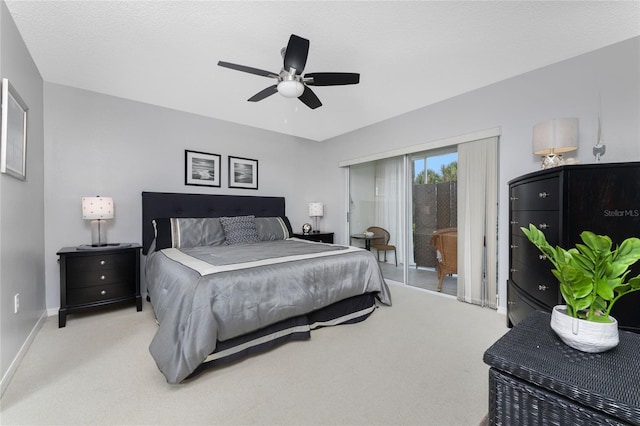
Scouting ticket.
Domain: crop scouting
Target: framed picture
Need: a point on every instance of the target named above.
(243, 173)
(13, 150)
(201, 169)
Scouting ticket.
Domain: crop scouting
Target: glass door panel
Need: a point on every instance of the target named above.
(375, 190)
(433, 200)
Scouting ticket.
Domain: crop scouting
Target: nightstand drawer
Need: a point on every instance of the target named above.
(80, 279)
(81, 296)
(76, 265)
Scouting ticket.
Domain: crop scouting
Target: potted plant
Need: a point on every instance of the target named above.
(592, 278)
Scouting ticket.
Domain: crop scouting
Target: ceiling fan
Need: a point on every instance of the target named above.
(291, 83)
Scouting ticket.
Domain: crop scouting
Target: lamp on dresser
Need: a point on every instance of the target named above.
(553, 138)
(97, 209)
(316, 210)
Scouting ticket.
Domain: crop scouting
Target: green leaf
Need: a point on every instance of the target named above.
(604, 290)
(597, 243)
(583, 303)
(628, 253)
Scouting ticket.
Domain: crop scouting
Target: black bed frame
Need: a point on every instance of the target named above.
(156, 205)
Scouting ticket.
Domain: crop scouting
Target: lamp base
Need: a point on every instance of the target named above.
(98, 233)
(551, 160)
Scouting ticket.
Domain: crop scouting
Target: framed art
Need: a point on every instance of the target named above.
(201, 169)
(13, 144)
(243, 173)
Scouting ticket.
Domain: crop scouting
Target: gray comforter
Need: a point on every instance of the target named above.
(204, 294)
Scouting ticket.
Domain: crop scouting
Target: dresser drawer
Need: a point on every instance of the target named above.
(542, 194)
(79, 264)
(79, 279)
(81, 296)
(538, 282)
(548, 221)
(520, 305)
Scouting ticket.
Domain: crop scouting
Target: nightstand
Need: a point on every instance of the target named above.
(98, 277)
(321, 237)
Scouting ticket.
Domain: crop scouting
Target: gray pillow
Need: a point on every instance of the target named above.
(271, 228)
(188, 232)
(239, 229)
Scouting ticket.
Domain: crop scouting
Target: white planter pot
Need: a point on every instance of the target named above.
(583, 335)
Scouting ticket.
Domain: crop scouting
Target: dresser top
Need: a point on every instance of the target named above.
(540, 174)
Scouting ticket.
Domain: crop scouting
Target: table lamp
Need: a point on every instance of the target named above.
(97, 209)
(316, 210)
(554, 137)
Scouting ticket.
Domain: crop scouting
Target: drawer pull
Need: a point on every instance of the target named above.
(543, 194)
(514, 222)
(102, 262)
(513, 270)
(542, 287)
(102, 277)
(103, 292)
(543, 226)
(511, 303)
(513, 198)
(542, 256)
(513, 246)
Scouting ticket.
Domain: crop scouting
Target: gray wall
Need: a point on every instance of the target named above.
(567, 89)
(21, 210)
(109, 146)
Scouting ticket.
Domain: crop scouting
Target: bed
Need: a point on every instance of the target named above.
(226, 280)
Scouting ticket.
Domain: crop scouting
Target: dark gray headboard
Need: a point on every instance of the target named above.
(157, 205)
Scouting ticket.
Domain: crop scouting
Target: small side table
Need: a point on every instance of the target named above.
(367, 240)
(536, 379)
(98, 277)
(320, 237)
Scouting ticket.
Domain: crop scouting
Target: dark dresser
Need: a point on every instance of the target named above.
(563, 202)
(98, 277)
(535, 379)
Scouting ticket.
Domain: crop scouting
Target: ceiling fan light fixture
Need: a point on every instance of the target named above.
(290, 88)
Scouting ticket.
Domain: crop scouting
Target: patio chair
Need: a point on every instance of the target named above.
(382, 244)
(445, 242)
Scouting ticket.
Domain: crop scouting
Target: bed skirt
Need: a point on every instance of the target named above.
(348, 311)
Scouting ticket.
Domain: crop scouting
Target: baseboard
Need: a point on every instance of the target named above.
(6, 379)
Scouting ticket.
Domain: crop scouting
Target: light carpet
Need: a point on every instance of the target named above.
(418, 362)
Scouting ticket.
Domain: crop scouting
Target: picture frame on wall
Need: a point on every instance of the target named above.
(201, 169)
(13, 139)
(243, 173)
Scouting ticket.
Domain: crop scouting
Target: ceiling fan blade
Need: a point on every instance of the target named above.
(310, 99)
(331, 78)
(264, 93)
(250, 70)
(296, 53)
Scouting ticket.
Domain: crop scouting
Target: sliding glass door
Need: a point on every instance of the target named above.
(376, 201)
(432, 201)
(409, 206)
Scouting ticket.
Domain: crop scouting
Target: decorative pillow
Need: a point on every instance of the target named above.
(273, 228)
(239, 229)
(188, 232)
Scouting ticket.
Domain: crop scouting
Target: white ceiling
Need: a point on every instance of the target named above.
(409, 53)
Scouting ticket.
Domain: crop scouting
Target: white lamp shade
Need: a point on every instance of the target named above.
(290, 88)
(555, 136)
(97, 208)
(316, 209)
